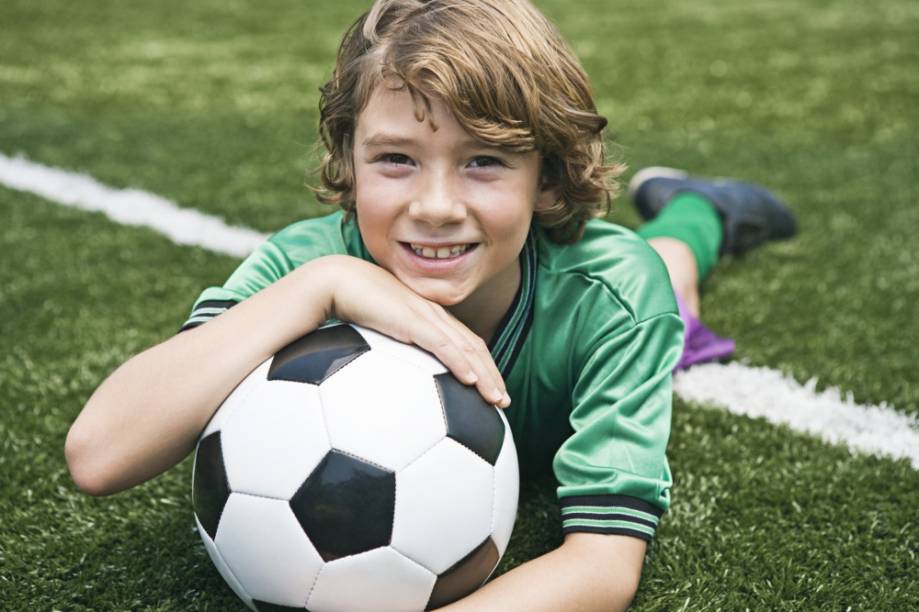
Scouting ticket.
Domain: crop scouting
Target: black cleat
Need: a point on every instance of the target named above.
(749, 214)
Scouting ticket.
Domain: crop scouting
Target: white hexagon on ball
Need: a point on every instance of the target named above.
(440, 520)
(360, 583)
(236, 400)
(288, 422)
(266, 550)
(389, 418)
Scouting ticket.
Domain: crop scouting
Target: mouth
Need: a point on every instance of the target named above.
(440, 252)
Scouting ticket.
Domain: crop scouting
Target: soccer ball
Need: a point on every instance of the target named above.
(353, 472)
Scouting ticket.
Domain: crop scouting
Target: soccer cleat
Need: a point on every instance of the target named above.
(750, 215)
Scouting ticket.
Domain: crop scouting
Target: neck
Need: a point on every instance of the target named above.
(483, 311)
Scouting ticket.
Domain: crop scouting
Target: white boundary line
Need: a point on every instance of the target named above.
(184, 226)
(760, 392)
(740, 389)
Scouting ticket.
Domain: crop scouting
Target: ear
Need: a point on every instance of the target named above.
(547, 196)
(549, 189)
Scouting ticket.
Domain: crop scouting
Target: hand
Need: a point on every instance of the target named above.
(368, 295)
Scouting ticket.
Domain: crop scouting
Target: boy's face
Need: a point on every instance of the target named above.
(443, 212)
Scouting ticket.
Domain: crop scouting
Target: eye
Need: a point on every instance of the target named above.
(485, 161)
(395, 158)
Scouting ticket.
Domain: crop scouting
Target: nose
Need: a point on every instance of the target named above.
(439, 202)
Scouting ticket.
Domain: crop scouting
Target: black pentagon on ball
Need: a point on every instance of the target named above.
(471, 421)
(346, 506)
(317, 355)
(465, 576)
(210, 488)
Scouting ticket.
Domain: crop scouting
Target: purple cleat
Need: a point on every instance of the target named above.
(700, 344)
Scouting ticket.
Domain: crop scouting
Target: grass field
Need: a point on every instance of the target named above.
(213, 105)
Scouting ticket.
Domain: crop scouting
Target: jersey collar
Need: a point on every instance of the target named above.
(512, 331)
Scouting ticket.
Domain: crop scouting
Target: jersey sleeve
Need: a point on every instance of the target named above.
(613, 471)
(265, 265)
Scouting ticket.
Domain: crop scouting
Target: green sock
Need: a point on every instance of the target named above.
(692, 219)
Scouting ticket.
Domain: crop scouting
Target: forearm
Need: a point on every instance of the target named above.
(146, 416)
(572, 578)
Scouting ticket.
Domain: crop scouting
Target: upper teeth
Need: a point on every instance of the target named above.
(440, 252)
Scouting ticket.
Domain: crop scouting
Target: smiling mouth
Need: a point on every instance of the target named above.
(443, 252)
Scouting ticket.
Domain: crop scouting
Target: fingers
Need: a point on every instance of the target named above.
(473, 351)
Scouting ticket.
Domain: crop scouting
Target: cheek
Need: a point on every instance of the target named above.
(374, 196)
(511, 223)
(371, 211)
(511, 211)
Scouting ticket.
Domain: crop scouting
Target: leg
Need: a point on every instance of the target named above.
(683, 269)
(690, 223)
(687, 236)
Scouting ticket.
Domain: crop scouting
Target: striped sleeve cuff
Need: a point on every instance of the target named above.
(206, 310)
(613, 514)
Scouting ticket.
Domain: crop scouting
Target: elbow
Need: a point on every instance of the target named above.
(613, 561)
(628, 588)
(625, 587)
(84, 472)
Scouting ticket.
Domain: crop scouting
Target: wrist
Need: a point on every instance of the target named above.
(331, 284)
(314, 285)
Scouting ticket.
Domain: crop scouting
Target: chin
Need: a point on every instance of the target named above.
(445, 296)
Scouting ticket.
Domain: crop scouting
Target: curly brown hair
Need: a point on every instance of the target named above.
(508, 78)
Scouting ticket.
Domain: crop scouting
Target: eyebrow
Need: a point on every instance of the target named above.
(382, 139)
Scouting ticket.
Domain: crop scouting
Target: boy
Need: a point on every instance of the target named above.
(467, 154)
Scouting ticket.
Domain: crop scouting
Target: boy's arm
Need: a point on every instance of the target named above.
(587, 572)
(147, 415)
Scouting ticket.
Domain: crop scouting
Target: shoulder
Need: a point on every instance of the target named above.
(277, 256)
(309, 238)
(610, 261)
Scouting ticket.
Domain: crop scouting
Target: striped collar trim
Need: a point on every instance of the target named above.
(512, 331)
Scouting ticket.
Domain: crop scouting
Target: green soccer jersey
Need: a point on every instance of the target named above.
(586, 350)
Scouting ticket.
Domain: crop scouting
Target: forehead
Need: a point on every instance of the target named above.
(390, 115)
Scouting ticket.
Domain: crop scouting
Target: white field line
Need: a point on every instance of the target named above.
(740, 389)
(780, 399)
(129, 207)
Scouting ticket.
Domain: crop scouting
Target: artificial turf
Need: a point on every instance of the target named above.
(213, 105)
